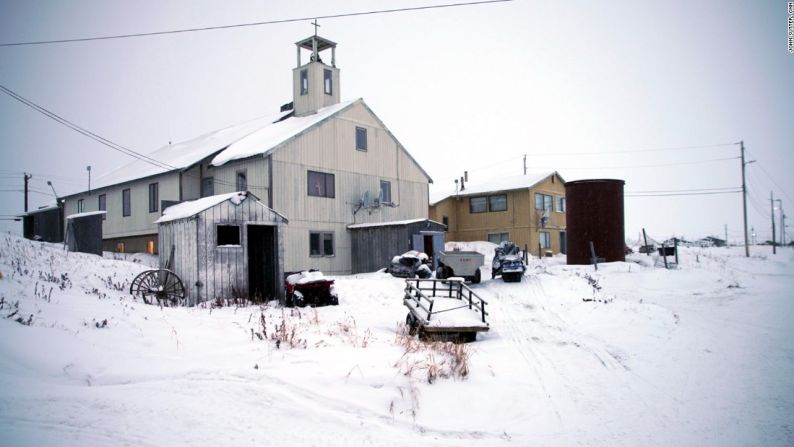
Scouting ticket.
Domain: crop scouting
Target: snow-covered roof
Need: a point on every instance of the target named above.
(86, 214)
(244, 140)
(508, 183)
(191, 208)
(394, 222)
(50, 207)
(269, 137)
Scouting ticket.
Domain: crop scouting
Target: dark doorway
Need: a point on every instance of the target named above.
(563, 243)
(428, 247)
(262, 261)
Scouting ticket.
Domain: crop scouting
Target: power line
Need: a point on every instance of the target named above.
(242, 25)
(727, 189)
(713, 160)
(83, 131)
(682, 194)
(628, 151)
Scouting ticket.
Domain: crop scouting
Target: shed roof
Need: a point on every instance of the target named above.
(392, 223)
(190, 208)
(499, 184)
(86, 214)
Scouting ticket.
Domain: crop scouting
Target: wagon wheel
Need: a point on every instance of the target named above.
(136, 283)
(161, 287)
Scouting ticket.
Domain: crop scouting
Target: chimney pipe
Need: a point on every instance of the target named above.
(466, 175)
(462, 184)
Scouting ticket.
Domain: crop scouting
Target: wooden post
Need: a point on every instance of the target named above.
(664, 254)
(540, 254)
(675, 241)
(526, 254)
(594, 260)
(644, 236)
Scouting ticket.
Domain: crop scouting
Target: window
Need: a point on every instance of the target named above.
(321, 244)
(80, 205)
(120, 247)
(544, 239)
(445, 221)
(560, 204)
(477, 205)
(102, 205)
(497, 203)
(304, 81)
(228, 235)
(154, 197)
(321, 184)
(361, 139)
(498, 237)
(328, 81)
(385, 191)
(241, 181)
(126, 206)
(150, 247)
(543, 201)
(207, 187)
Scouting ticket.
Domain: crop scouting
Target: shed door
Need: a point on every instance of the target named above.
(262, 262)
(418, 242)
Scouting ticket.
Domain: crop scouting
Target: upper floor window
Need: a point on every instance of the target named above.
(361, 139)
(154, 197)
(321, 184)
(304, 81)
(445, 221)
(543, 201)
(477, 205)
(560, 204)
(241, 181)
(385, 191)
(328, 81)
(102, 205)
(497, 202)
(207, 187)
(80, 205)
(126, 205)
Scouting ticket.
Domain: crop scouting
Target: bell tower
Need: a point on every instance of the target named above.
(315, 84)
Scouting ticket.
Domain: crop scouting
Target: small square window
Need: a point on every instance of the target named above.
(320, 184)
(228, 235)
(242, 181)
(497, 203)
(545, 239)
(321, 244)
(477, 205)
(560, 204)
(543, 201)
(361, 139)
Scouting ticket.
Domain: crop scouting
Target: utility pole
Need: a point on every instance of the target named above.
(726, 235)
(88, 168)
(772, 206)
(744, 201)
(782, 224)
(27, 178)
(525, 164)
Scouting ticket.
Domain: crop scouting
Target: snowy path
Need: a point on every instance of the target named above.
(701, 355)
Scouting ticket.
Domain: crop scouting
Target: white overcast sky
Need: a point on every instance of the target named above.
(469, 88)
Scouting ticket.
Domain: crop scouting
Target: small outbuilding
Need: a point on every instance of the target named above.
(44, 224)
(84, 232)
(375, 244)
(224, 246)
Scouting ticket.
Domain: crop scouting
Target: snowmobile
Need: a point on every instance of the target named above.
(410, 264)
(507, 261)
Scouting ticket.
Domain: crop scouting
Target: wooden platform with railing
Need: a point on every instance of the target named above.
(444, 309)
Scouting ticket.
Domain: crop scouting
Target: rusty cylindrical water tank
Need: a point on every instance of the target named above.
(594, 212)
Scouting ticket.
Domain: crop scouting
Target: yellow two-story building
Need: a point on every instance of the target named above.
(528, 210)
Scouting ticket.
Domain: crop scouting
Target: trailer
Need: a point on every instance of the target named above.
(444, 310)
(464, 264)
(309, 288)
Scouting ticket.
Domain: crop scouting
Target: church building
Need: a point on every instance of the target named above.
(322, 163)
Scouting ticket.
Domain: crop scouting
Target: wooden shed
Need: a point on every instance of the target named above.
(84, 232)
(44, 224)
(224, 246)
(375, 244)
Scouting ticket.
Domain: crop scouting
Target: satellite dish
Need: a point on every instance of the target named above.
(365, 199)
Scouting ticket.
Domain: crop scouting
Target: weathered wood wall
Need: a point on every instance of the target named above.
(374, 247)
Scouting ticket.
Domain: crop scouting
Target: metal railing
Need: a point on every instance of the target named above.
(422, 291)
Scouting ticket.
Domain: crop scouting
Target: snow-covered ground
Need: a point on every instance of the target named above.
(632, 354)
